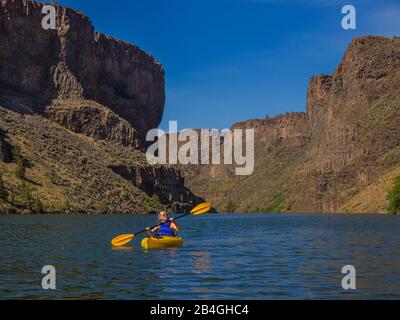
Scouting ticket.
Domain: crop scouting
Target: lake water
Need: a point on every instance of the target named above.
(225, 256)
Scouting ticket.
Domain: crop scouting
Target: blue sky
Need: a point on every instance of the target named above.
(233, 60)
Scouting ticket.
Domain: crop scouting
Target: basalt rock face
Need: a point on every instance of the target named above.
(317, 93)
(76, 105)
(166, 183)
(75, 62)
(341, 155)
(280, 144)
(290, 129)
(93, 120)
(6, 154)
(356, 135)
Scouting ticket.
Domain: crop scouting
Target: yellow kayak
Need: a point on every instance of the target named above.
(162, 242)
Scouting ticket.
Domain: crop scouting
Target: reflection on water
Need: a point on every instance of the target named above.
(125, 248)
(223, 257)
(201, 261)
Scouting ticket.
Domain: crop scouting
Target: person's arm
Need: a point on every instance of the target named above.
(151, 232)
(173, 225)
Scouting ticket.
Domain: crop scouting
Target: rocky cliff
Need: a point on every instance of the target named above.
(75, 106)
(340, 155)
(74, 62)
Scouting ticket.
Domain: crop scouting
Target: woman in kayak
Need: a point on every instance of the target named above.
(165, 228)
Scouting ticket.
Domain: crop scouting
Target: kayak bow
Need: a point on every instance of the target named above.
(161, 242)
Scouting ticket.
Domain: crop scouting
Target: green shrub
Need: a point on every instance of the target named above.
(394, 197)
(155, 199)
(278, 204)
(36, 205)
(101, 206)
(230, 206)
(24, 194)
(3, 190)
(65, 207)
(20, 170)
(28, 200)
(16, 152)
(152, 204)
(146, 204)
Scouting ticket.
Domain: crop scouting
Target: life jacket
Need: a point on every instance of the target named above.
(165, 230)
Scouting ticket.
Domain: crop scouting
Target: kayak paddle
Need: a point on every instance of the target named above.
(125, 238)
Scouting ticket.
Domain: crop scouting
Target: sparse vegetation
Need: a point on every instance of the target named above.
(3, 190)
(152, 204)
(394, 197)
(102, 206)
(62, 172)
(20, 170)
(278, 204)
(146, 205)
(28, 200)
(66, 207)
(155, 198)
(230, 206)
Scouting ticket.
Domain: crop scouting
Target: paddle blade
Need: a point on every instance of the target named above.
(201, 208)
(122, 239)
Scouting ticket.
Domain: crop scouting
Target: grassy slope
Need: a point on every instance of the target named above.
(63, 165)
(372, 199)
(263, 191)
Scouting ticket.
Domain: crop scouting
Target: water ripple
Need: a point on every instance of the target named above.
(225, 256)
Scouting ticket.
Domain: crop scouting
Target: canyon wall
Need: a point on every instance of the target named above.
(75, 106)
(75, 62)
(346, 143)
